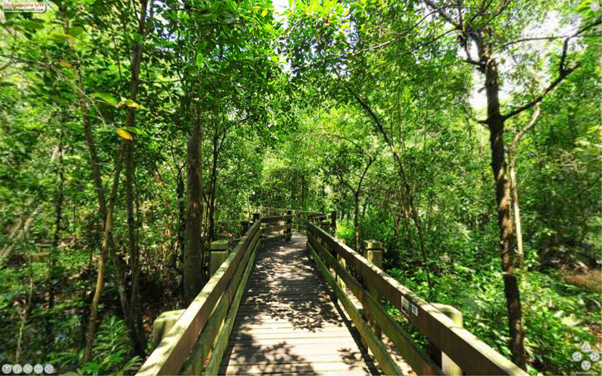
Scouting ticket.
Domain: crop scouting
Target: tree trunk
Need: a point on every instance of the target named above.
(58, 216)
(406, 186)
(212, 186)
(356, 213)
(180, 187)
(512, 157)
(193, 250)
(135, 315)
(107, 236)
(517, 218)
(302, 192)
(495, 121)
(97, 178)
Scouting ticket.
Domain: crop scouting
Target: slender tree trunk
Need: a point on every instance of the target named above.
(135, 314)
(302, 192)
(356, 222)
(512, 162)
(97, 178)
(100, 279)
(517, 218)
(409, 193)
(212, 186)
(193, 251)
(495, 121)
(180, 187)
(58, 216)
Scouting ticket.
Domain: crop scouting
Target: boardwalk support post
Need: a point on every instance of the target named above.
(163, 325)
(244, 227)
(374, 254)
(343, 263)
(447, 365)
(333, 223)
(256, 217)
(289, 222)
(219, 254)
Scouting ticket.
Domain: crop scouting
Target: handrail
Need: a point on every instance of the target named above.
(173, 350)
(280, 223)
(470, 353)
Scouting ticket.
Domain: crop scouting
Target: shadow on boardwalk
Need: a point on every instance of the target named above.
(287, 322)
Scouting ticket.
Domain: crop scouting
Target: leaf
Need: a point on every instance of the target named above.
(65, 64)
(199, 59)
(131, 103)
(124, 134)
(132, 129)
(265, 11)
(76, 31)
(106, 97)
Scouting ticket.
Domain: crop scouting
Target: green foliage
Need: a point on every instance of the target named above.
(111, 353)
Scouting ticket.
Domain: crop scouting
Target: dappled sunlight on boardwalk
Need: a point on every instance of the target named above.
(287, 322)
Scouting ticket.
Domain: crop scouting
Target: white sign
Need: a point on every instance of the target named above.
(25, 7)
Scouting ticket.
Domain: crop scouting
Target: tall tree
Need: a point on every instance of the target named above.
(481, 27)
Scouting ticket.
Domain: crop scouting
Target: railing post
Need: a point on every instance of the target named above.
(244, 227)
(219, 254)
(447, 365)
(343, 263)
(256, 217)
(289, 231)
(374, 254)
(333, 222)
(163, 325)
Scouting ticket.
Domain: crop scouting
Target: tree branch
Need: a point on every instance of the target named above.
(539, 98)
(551, 37)
(518, 136)
(563, 72)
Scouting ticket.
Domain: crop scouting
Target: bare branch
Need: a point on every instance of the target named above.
(551, 37)
(563, 72)
(443, 14)
(539, 98)
(518, 136)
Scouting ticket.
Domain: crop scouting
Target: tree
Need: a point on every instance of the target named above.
(478, 26)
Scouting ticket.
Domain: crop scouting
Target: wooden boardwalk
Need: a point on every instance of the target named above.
(269, 309)
(287, 322)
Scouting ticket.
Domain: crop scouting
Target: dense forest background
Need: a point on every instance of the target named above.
(464, 135)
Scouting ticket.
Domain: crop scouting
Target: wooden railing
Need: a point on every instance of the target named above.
(339, 264)
(203, 329)
(326, 221)
(277, 228)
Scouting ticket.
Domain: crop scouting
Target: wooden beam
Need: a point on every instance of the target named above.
(277, 227)
(276, 218)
